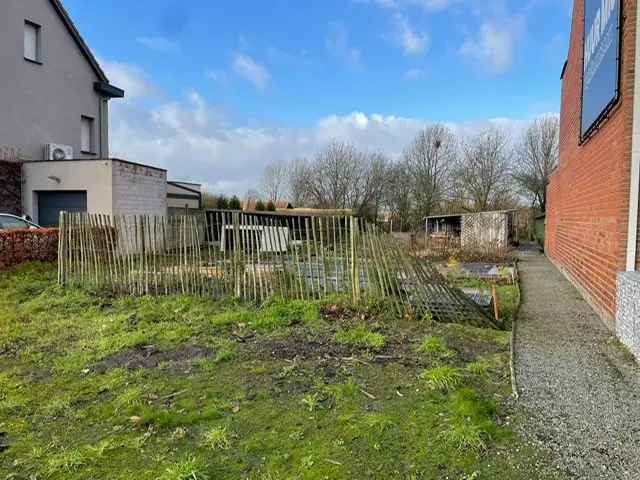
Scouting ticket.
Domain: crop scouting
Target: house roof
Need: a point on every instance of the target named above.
(102, 86)
(466, 214)
(182, 186)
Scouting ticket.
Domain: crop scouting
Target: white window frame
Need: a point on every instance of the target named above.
(29, 27)
(87, 128)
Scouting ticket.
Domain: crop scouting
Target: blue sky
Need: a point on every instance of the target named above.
(217, 89)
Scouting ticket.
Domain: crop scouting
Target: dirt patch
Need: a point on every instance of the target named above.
(298, 347)
(322, 348)
(150, 357)
(3, 442)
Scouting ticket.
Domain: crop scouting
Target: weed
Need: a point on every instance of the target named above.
(442, 378)
(66, 461)
(297, 435)
(283, 314)
(472, 476)
(217, 438)
(478, 368)
(307, 462)
(427, 318)
(232, 317)
(360, 336)
(465, 437)
(225, 353)
(289, 370)
(191, 468)
(131, 397)
(349, 389)
(471, 424)
(435, 347)
(378, 422)
(99, 449)
(312, 401)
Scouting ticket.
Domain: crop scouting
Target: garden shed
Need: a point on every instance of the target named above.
(478, 229)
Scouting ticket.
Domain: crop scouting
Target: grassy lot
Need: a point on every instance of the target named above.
(94, 387)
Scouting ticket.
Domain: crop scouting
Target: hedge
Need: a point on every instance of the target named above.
(24, 245)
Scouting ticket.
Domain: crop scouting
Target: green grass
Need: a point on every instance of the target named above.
(435, 347)
(442, 378)
(360, 336)
(287, 391)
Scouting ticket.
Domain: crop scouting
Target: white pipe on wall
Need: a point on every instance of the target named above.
(634, 191)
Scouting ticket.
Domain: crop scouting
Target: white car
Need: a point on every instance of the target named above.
(12, 222)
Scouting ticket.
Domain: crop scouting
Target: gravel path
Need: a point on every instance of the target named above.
(579, 388)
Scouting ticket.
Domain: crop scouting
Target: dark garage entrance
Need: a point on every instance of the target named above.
(50, 204)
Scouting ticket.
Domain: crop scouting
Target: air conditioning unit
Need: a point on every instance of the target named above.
(54, 151)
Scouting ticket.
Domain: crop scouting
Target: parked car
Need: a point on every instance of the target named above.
(12, 222)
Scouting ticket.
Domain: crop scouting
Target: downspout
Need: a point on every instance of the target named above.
(634, 191)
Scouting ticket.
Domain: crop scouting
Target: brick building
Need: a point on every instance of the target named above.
(592, 214)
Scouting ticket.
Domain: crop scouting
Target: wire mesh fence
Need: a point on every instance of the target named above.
(254, 257)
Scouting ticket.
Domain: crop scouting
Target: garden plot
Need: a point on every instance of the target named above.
(182, 387)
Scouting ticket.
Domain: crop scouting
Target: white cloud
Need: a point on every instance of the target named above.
(411, 41)
(494, 45)
(195, 141)
(337, 44)
(130, 78)
(246, 67)
(159, 44)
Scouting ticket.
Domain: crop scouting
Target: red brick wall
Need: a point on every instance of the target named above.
(587, 214)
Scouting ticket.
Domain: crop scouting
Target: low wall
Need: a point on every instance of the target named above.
(628, 311)
(19, 246)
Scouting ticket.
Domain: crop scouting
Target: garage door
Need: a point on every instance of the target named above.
(50, 204)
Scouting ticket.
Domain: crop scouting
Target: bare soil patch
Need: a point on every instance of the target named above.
(148, 356)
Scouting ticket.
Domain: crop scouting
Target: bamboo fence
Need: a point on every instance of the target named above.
(254, 257)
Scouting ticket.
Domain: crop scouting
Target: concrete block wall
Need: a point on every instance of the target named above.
(588, 196)
(138, 189)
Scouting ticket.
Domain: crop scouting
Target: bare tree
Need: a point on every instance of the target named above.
(536, 158)
(340, 176)
(274, 181)
(297, 181)
(428, 163)
(397, 198)
(483, 176)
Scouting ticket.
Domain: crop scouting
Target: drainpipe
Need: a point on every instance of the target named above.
(632, 234)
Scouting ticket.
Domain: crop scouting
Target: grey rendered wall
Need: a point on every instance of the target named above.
(94, 177)
(44, 103)
(139, 190)
(628, 311)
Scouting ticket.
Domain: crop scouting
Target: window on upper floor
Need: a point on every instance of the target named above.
(32, 42)
(87, 136)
